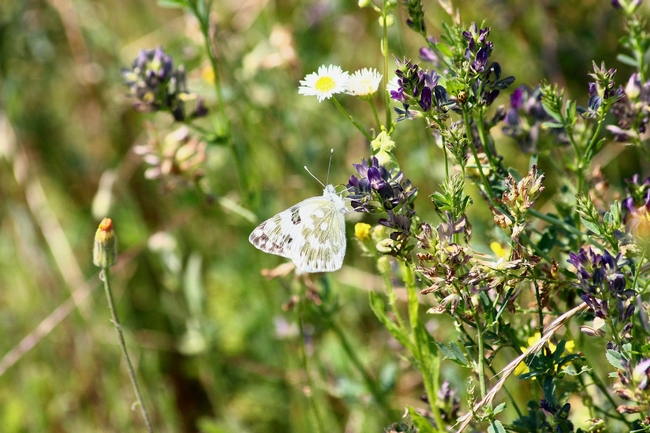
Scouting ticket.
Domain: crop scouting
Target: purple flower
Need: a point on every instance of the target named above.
(378, 188)
(603, 282)
(156, 86)
(525, 118)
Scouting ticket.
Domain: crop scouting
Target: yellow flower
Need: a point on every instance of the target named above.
(362, 231)
(497, 249)
(522, 368)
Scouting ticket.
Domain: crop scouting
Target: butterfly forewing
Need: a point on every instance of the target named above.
(311, 233)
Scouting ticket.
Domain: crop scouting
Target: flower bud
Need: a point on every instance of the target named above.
(386, 246)
(105, 247)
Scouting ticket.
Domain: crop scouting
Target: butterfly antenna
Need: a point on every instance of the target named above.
(312, 175)
(329, 165)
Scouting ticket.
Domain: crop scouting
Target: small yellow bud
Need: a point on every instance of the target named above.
(364, 3)
(362, 231)
(390, 20)
(105, 247)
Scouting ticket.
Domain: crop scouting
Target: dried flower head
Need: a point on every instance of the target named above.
(176, 160)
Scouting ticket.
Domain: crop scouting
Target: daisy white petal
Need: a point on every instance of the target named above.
(328, 81)
(364, 82)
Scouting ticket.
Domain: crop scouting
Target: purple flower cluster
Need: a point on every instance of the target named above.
(156, 86)
(378, 189)
(602, 89)
(638, 195)
(525, 118)
(631, 110)
(418, 86)
(487, 82)
(602, 281)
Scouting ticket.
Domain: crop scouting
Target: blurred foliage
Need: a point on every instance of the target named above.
(214, 348)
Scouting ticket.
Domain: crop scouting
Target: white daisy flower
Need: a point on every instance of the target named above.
(364, 82)
(328, 81)
(393, 84)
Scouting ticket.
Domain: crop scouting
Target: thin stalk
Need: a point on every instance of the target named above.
(371, 101)
(204, 22)
(484, 180)
(351, 119)
(305, 366)
(481, 355)
(484, 142)
(392, 298)
(384, 52)
(594, 139)
(431, 386)
(367, 378)
(104, 276)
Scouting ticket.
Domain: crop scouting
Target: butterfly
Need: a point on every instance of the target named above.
(310, 233)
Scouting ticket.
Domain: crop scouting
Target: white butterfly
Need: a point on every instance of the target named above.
(310, 233)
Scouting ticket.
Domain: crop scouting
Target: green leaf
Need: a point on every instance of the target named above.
(378, 307)
(499, 408)
(591, 226)
(172, 4)
(444, 49)
(627, 60)
(555, 115)
(420, 422)
(615, 358)
(453, 353)
(496, 427)
(553, 125)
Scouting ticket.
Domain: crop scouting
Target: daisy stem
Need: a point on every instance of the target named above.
(354, 122)
(104, 276)
(374, 111)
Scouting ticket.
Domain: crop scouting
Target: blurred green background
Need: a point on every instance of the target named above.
(214, 348)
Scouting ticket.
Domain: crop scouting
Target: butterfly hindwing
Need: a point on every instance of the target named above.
(323, 243)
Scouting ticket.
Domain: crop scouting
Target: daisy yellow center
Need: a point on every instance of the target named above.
(325, 84)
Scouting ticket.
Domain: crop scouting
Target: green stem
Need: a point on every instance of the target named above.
(384, 52)
(305, 366)
(594, 139)
(486, 184)
(204, 22)
(392, 299)
(481, 355)
(430, 376)
(374, 112)
(350, 118)
(484, 142)
(367, 378)
(104, 276)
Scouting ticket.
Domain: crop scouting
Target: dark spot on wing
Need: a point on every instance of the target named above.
(295, 216)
